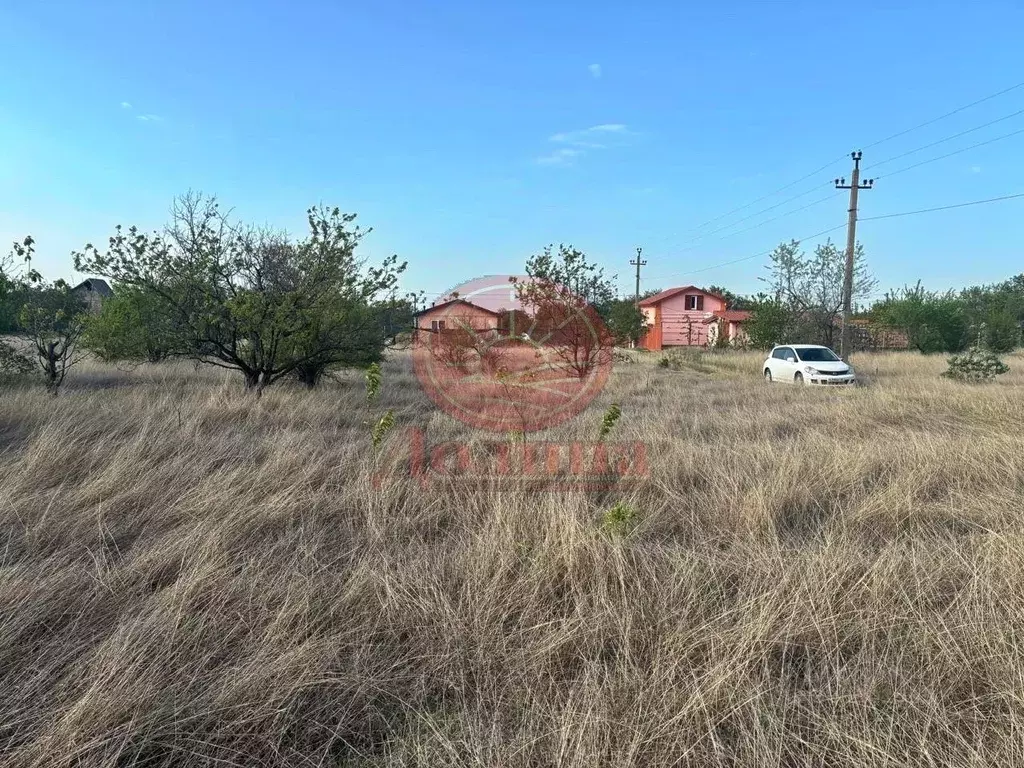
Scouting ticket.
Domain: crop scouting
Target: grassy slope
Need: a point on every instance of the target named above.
(191, 577)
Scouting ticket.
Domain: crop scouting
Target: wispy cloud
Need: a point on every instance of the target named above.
(145, 117)
(563, 156)
(975, 169)
(595, 71)
(574, 144)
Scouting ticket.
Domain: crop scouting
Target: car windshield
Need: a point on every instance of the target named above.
(817, 355)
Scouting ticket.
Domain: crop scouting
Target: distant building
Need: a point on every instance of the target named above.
(727, 322)
(456, 313)
(93, 291)
(681, 317)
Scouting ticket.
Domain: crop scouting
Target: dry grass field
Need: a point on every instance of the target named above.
(193, 577)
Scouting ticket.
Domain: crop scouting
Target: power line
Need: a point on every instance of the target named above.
(943, 207)
(948, 114)
(840, 226)
(760, 224)
(744, 258)
(873, 144)
(765, 210)
(950, 154)
(770, 194)
(948, 138)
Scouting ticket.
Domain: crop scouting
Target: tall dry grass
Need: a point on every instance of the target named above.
(191, 577)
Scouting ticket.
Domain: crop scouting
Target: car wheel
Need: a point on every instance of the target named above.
(799, 378)
(767, 375)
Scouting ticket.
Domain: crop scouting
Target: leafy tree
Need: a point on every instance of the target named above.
(933, 322)
(131, 326)
(732, 300)
(51, 319)
(810, 288)
(250, 299)
(12, 359)
(397, 316)
(999, 309)
(624, 320)
(769, 323)
(569, 269)
(563, 289)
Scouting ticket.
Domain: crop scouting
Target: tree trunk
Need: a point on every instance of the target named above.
(308, 375)
(51, 369)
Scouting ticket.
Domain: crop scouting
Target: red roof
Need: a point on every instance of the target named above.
(456, 301)
(668, 293)
(729, 315)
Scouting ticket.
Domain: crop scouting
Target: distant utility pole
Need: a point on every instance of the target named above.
(638, 263)
(851, 243)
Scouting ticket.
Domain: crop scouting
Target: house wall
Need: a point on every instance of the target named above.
(681, 327)
(456, 315)
(93, 301)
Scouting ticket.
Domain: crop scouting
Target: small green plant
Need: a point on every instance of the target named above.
(682, 359)
(373, 382)
(620, 519)
(975, 365)
(516, 436)
(381, 429)
(611, 418)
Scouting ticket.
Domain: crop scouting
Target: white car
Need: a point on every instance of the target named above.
(806, 364)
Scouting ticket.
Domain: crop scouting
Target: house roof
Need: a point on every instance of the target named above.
(95, 284)
(729, 315)
(456, 301)
(668, 293)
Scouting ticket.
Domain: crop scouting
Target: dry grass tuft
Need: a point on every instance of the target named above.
(191, 577)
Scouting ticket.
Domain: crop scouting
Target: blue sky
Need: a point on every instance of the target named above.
(471, 134)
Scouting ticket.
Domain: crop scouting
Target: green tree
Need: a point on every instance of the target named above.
(769, 323)
(810, 288)
(251, 299)
(623, 319)
(569, 268)
(562, 290)
(51, 319)
(933, 322)
(732, 300)
(132, 326)
(12, 359)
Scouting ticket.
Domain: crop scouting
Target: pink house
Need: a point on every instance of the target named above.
(682, 317)
(456, 313)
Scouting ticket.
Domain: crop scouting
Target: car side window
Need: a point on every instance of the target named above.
(780, 353)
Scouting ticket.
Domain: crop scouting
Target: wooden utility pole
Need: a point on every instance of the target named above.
(638, 263)
(851, 244)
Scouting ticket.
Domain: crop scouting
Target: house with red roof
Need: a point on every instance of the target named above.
(688, 317)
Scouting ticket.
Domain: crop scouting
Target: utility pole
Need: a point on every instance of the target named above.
(638, 263)
(851, 243)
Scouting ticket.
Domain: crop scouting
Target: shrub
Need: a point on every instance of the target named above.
(681, 359)
(620, 519)
(373, 382)
(611, 418)
(975, 365)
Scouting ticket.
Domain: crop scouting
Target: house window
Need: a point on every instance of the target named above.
(437, 325)
(695, 303)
